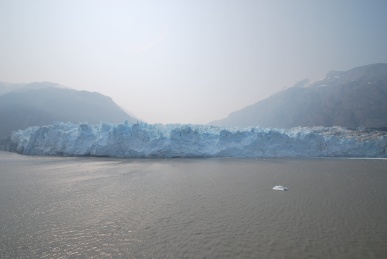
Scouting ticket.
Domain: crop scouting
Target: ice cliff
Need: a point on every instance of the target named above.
(156, 140)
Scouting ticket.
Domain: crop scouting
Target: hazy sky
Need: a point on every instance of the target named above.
(187, 61)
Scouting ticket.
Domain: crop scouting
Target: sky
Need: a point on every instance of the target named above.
(187, 61)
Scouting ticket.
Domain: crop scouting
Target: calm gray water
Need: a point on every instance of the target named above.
(192, 208)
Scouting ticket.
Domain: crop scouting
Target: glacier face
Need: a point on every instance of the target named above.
(174, 140)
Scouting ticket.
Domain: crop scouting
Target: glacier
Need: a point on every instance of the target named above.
(142, 140)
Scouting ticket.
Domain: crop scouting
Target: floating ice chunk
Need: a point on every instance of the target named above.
(280, 188)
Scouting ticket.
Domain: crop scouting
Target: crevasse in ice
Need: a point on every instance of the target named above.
(176, 140)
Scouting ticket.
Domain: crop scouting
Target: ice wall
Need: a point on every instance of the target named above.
(156, 140)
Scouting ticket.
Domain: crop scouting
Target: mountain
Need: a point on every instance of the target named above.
(38, 104)
(6, 87)
(354, 98)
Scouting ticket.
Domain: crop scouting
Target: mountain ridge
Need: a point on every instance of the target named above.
(44, 103)
(353, 98)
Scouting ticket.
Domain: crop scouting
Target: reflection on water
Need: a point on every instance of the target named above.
(100, 207)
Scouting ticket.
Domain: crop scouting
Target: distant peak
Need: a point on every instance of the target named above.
(45, 84)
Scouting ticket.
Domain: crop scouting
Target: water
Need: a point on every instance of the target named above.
(192, 208)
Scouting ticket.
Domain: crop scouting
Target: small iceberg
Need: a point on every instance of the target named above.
(280, 188)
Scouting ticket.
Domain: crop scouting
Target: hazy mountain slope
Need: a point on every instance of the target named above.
(44, 103)
(6, 87)
(355, 98)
